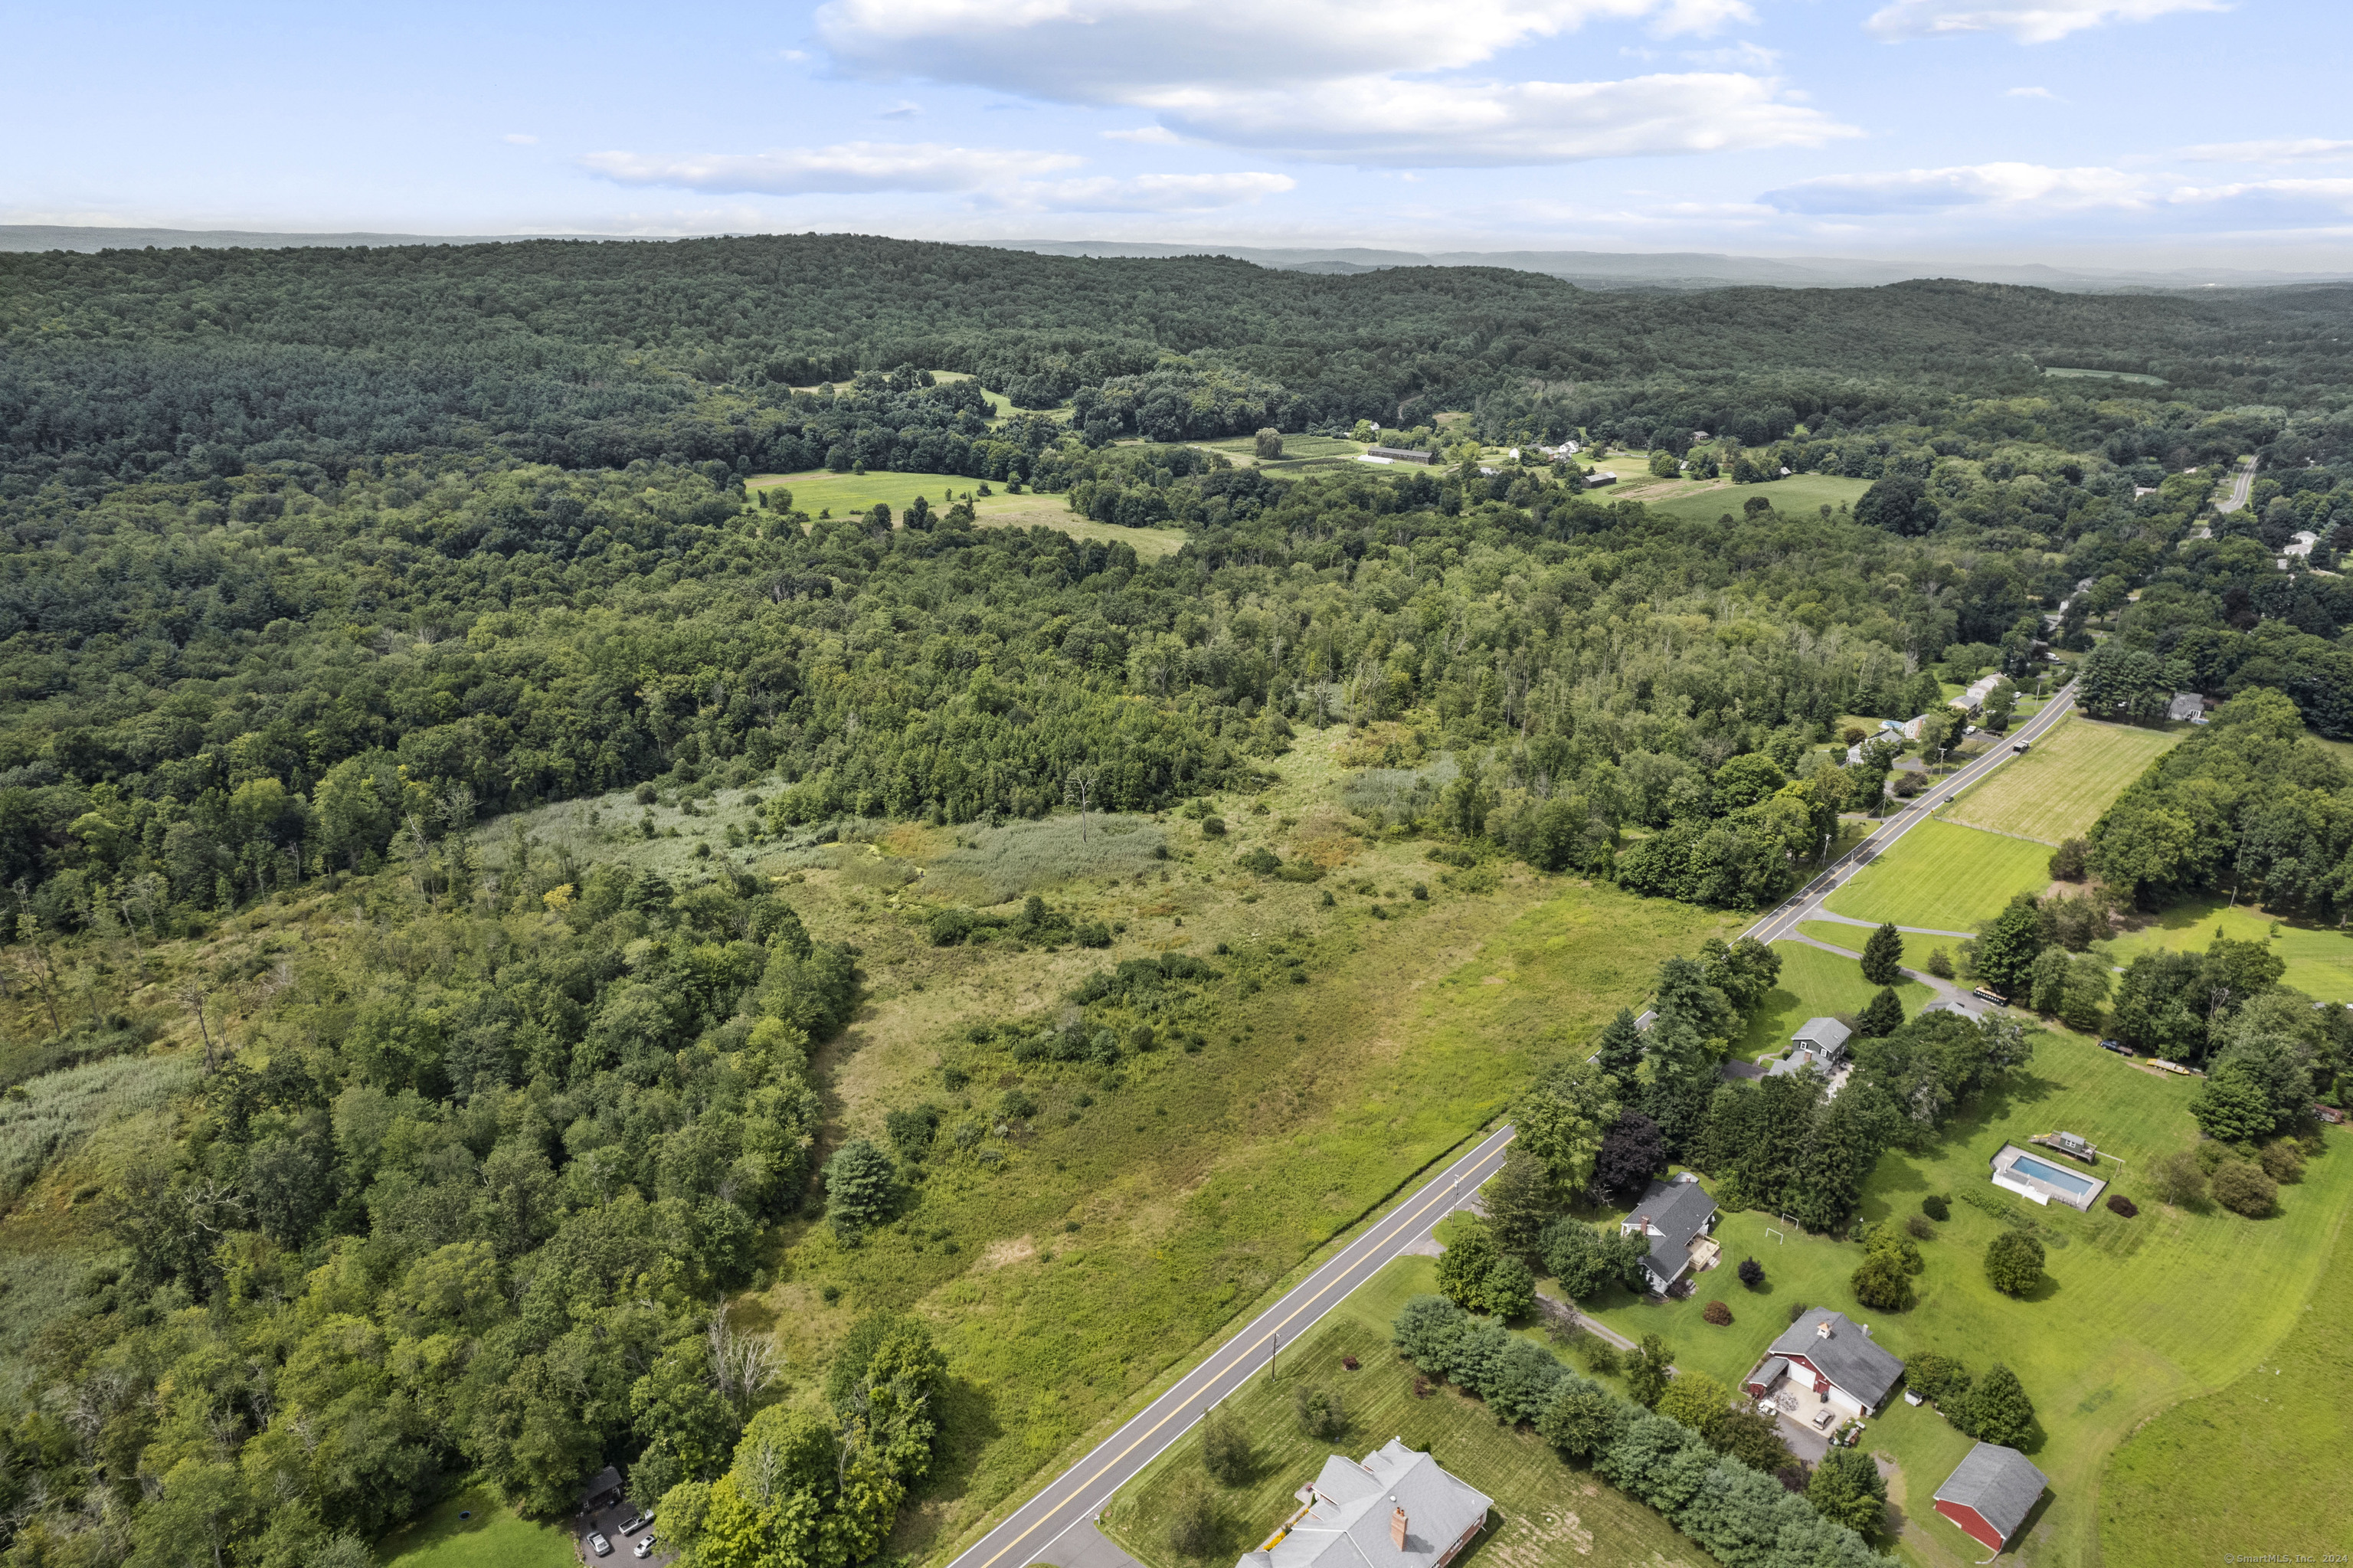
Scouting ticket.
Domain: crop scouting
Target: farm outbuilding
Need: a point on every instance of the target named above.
(1400, 455)
(1990, 1494)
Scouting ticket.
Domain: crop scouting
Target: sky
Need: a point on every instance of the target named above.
(2142, 133)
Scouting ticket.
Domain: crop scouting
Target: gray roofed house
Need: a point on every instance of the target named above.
(1989, 1493)
(1393, 1508)
(2186, 707)
(1675, 1215)
(1827, 1035)
(1841, 1356)
(603, 1488)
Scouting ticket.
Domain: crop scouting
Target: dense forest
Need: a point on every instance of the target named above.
(322, 567)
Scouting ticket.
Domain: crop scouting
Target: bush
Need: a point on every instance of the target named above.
(1751, 1273)
(2071, 862)
(1847, 1489)
(1213, 827)
(2178, 1179)
(2120, 1204)
(1935, 1207)
(2241, 1186)
(1192, 1520)
(1918, 1227)
(2283, 1162)
(2013, 1263)
(1320, 1412)
(1718, 1313)
(1797, 1310)
(1261, 859)
(1225, 1449)
(950, 927)
(1997, 1409)
(1940, 963)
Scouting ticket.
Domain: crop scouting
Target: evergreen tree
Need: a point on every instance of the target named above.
(1882, 957)
(861, 1186)
(1520, 1200)
(1620, 1054)
(2230, 1106)
(1883, 1017)
(1847, 1489)
(1998, 1410)
(2008, 947)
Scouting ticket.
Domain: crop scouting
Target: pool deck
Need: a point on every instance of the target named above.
(2007, 1176)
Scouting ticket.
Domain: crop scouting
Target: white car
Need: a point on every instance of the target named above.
(600, 1546)
(645, 1546)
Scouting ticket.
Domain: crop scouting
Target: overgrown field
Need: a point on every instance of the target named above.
(2057, 789)
(1943, 877)
(1816, 984)
(2134, 1316)
(1547, 1512)
(2256, 1467)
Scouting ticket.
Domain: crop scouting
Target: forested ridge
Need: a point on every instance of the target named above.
(325, 569)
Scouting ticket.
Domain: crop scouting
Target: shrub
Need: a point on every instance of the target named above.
(1192, 1520)
(1935, 1207)
(1321, 1415)
(1797, 1310)
(2120, 1204)
(1718, 1313)
(1751, 1273)
(2241, 1186)
(1847, 1489)
(1213, 827)
(1941, 1380)
(1601, 1357)
(1261, 859)
(1920, 1229)
(2013, 1263)
(1997, 1409)
(2177, 1179)
(2070, 861)
(2283, 1162)
(1225, 1449)
(1940, 963)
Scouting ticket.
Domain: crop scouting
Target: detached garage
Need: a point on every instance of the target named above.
(1991, 1493)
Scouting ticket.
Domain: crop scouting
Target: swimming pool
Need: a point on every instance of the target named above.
(2051, 1175)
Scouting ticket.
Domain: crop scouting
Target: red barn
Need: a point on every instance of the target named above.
(1991, 1493)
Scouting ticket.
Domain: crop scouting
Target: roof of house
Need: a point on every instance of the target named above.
(1846, 1355)
(1348, 1523)
(1798, 1061)
(1678, 1210)
(2186, 705)
(1998, 1483)
(1774, 1367)
(1826, 1032)
(608, 1479)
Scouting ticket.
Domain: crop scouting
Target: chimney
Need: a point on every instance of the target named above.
(1396, 1528)
(1823, 1330)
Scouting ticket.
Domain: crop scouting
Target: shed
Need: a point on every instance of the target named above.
(603, 1489)
(1401, 454)
(1990, 1494)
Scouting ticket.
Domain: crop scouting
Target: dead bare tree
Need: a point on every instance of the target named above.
(191, 996)
(743, 1365)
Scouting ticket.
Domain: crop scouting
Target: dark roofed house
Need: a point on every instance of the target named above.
(1676, 1215)
(1393, 1508)
(1826, 1354)
(1400, 455)
(2186, 707)
(1990, 1494)
(603, 1490)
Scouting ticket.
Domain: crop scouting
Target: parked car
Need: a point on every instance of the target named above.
(630, 1525)
(2021, 745)
(2118, 1046)
(645, 1547)
(600, 1546)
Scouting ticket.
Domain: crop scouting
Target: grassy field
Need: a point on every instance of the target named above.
(1917, 947)
(2260, 1467)
(2319, 957)
(2057, 789)
(2136, 1315)
(1704, 501)
(1816, 984)
(1944, 877)
(2104, 375)
(494, 1537)
(845, 494)
(1545, 1512)
(1242, 450)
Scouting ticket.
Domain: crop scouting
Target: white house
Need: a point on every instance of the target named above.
(1677, 1216)
(1825, 1362)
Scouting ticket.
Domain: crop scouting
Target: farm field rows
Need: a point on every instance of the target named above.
(1545, 1512)
(2135, 1315)
(1816, 984)
(2057, 789)
(2319, 957)
(1945, 877)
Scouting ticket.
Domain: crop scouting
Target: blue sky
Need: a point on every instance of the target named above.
(2131, 132)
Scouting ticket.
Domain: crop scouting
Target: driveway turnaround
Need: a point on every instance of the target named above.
(1080, 1493)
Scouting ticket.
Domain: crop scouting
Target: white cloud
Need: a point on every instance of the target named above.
(1971, 186)
(2273, 152)
(518, 139)
(2041, 92)
(1150, 136)
(902, 110)
(1390, 123)
(2028, 24)
(849, 168)
(1144, 193)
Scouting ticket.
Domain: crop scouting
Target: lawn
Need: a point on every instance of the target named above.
(1242, 450)
(1945, 877)
(2319, 957)
(495, 1536)
(2260, 1467)
(2136, 1314)
(1916, 946)
(1816, 984)
(1545, 1512)
(845, 494)
(1704, 501)
(2057, 789)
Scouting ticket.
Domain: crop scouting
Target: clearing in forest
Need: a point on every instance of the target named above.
(1944, 877)
(2319, 959)
(848, 494)
(1705, 499)
(2057, 789)
(2132, 1315)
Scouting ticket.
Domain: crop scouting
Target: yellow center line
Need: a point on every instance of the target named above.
(1187, 1404)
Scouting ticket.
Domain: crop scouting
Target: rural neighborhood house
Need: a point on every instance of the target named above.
(1393, 1508)
(1676, 1215)
(1833, 1360)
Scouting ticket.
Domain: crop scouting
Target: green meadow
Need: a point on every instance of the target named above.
(493, 1536)
(1945, 877)
(1705, 499)
(847, 495)
(1817, 984)
(2319, 959)
(2059, 789)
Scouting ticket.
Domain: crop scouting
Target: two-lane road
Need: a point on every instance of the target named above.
(1079, 1493)
(2242, 482)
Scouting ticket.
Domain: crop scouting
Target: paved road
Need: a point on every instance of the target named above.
(1783, 920)
(2241, 483)
(1078, 1494)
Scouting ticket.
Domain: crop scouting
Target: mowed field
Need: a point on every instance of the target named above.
(2133, 1316)
(1816, 984)
(1917, 945)
(1945, 877)
(1704, 501)
(2261, 1466)
(2057, 789)
(1547, 1512)
(2319, 959)
(495, 1536)
(846, 495)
